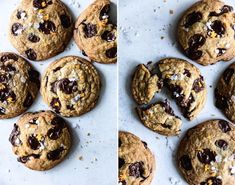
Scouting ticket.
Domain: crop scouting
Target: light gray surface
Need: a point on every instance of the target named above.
(142, 24)
(100, 123)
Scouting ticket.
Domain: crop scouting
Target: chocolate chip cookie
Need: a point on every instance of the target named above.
(206, 154)
(95, 35)
(71, 86)
(41, 140)
(160, 118)
(40, 29)
(145, 85)
(19, 85)
(225, 92)
(186, 85)
(136, 161)
(206, 32)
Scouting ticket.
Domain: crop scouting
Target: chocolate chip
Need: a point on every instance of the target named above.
(221, 144)
(198, 84)
(193, 53)
(14, 135)
(33, 142)
(7, 95)
(47, 27)
(136, 169)
(206, 156)
(16, 29)
(31, 55)
(34, 77)
(192, 18)
(221, 51)
(223, 10)
(119, 142)
(185, 162)
(33, 38)
(70, 107)
(108, 36)
(224, 126)
(67, 86)
(25, 159)
(55, 154)
(167, 107)
(54, 133)
(9, 68)
(187, 73)
(4, 78)
(90, 30)
(112, 52)
(196, 41)
(2, 110)
(41, 4)
(28, 100)
(20, 13)
(177, 93)
(65, 21)
(9, 56)
(121, 162)
(58, 121)
(212, 181)
(104, 12)
(56, 69)
(218, 27)
(221, 101)
(55, 104)
(227, 75)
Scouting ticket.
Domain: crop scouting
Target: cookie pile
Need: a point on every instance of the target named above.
(39, 30)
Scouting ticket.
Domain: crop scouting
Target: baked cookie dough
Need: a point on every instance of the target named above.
(71, 86)
(160, 118)
(136, 161)
(41, 140)
(225, 92)
(95, 35)
(186, 85)
(145, 85)
(206, 154)
(206, 32)
(19, 85)
(40, 29)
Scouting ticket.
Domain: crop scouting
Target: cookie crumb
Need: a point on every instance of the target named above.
(80, 158)
(171, 12)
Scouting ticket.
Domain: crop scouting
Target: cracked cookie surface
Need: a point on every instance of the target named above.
(95, 35)
(71, 86)
(41, 140)
(185, 83)
(225, 93)
(40, 29)
(145, 85)
(19, 85)
(206, 154)
(136, 161)
(160, 118)
(206, 32)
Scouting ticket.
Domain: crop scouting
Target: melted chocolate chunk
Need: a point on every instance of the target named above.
(55, 154)
(167, 107)
(55, 104)
(108, 36)
(186, 163)
(136, 169)
(30, 54)
(218, 27)
(198, 84)
(7, 95)
(224, 126)
(4, 78)
(206, 156)
(212, 181)
(84, 53)
(16, 29)
(41, 4)
(223, 10)
(59, 122)
(177, 93)
(55, 132)
(54, 86)
(34, 77)
(14, 135)
(121, 162)
(9, 68)
(221, 144)
(28, 100)
(221, 101)
(104, 13)
(25, 159)
(193, 53)
(187, 73)
(70, 107)
(67, 86)
(221, 51)
(196, 41)
(192, 18)
(33, 38)
(57, 69)
(119, 142)
(112, 52)
(145, 144)
(65, 21)
(33, 121)
(122, 182)
(33, 142)
(227, 75)
(20, 13)
(90, 30)
(47, 27)
(2, 110)
(9, 56)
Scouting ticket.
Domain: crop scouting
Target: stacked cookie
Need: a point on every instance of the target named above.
(39, 30)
